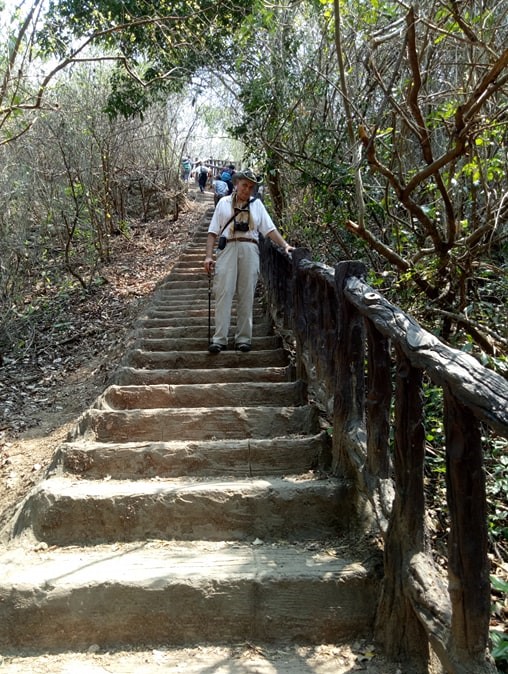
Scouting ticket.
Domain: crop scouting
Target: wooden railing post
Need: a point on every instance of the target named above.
(298, 322)
(378, 403)
(349, 439)
(468, 564)
(377, 475)
(398, 626)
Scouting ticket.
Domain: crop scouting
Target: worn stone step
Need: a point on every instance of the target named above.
(186, 273)
(175, 593)
(192, 321)
(263, 329)
(184, 297)
(240, 457)
(127, 376)
(194, 252)
(190, 262)
(173, 293)
(170, 300)
(73, 511)
(192, 301)
(244, 394)
(203, 359)
(173, 284)
(171, 312)
(200, 343)
(214, 423)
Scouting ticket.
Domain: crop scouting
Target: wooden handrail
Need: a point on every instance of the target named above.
(363, 356)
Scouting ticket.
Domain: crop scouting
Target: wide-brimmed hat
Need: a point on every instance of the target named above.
(246, 174)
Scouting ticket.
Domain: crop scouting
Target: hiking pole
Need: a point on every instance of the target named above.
(209, 307)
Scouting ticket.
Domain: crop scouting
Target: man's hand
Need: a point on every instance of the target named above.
(209, 265)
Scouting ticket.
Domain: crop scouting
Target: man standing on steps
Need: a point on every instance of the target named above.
(238, 220)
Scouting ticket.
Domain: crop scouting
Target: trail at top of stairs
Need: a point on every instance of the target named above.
(191, 505)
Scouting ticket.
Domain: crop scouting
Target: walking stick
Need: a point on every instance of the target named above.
(209, 308)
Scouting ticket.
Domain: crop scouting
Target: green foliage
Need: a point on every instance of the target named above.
(496, 464)
(163, 42)
(499, 650)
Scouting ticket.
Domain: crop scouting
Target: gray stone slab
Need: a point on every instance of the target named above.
(171, 593)
(244, 458)
(130, 375)
(202, 395)
(204, 423)
(73, 511)
(194, 359)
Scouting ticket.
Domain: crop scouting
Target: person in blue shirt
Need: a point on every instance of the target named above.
(220, 189)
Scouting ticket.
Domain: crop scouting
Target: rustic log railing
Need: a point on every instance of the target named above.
(365, 360)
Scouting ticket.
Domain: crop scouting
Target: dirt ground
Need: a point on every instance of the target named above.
(44, 388)
(242, 659)
(40, 400)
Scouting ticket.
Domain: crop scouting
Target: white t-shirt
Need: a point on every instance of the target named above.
(221, 188)
(257, 213)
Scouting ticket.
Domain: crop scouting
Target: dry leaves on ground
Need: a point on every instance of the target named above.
(71, 349)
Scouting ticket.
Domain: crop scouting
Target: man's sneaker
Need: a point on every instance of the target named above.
(243, 347)
(216, 348)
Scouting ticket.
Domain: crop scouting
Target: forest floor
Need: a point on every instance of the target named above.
(60, 361)
(70, 346)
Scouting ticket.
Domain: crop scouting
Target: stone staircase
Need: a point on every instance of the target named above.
(191, 504)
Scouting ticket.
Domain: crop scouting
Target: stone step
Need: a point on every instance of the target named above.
(214, 423)
(193, 321)
(199, 343)
(186, 284)
(175, 593)
(126, 376)
(190, 266)
(237, 458)
(187, 273)
(73, 511)
(180, 298)
(168, 298)
(198, 331)
(244, 394)
(168, 360)
(169, 312)
(193, 301)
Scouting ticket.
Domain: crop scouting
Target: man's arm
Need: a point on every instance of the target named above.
(210, 245)
(276, 237)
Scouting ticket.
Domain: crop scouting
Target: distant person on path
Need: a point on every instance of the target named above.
(202, 173)
(220, 189)
(227, 177)
(240, 219)
(186, 169)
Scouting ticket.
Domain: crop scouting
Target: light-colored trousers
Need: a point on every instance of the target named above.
(236, 272)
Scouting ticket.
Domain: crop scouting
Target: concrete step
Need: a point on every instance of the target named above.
(72, 511)
(176, 593)
(163, 312)
(186, 284)
(261, 329)
(126, 376)
(244, 394)
(208, 458)
(205, 423)
(194, 321)
(204, 360)
(181, 297)
(200, 343)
